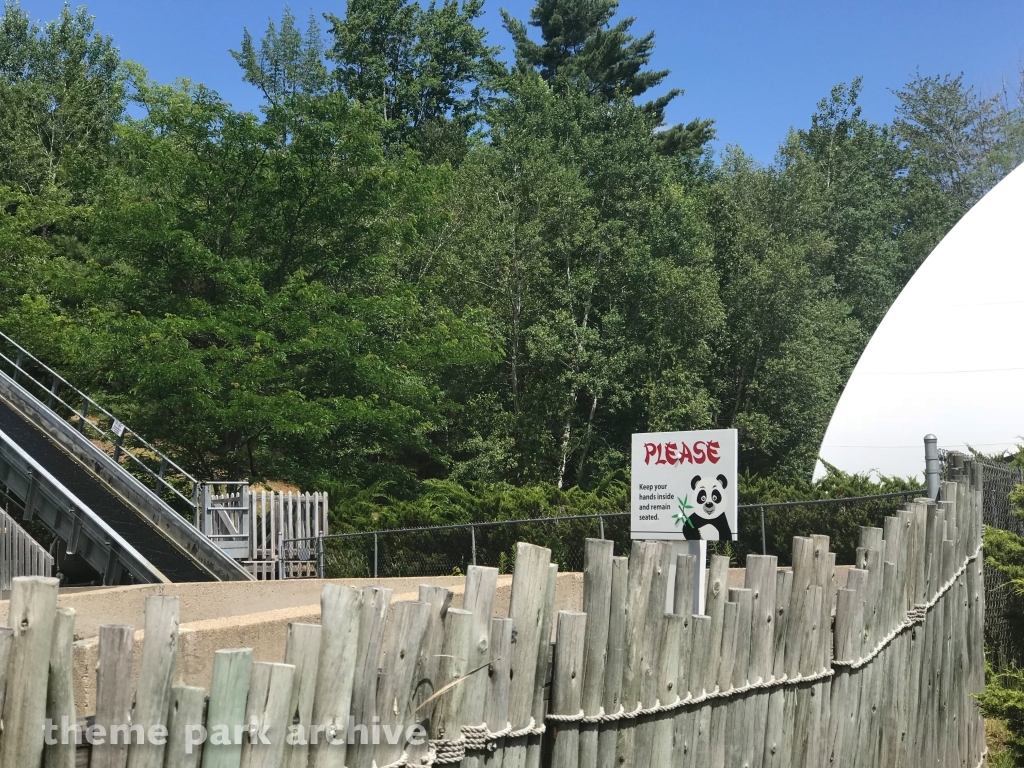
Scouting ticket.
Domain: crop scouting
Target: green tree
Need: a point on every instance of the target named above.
(812, 251)
(881, 212)
(956, 135)
(237, 298)
(62, 87)
(354, 288)
(1010, 152)
(287, 62)
(426, 71)
(789, 342)
(569, 230)
(581, 45)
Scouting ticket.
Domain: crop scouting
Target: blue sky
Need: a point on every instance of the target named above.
(757, 68)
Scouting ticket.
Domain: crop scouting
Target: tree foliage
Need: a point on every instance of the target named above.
(415, 273)
(426, 71)
(62, 87)
(581, 45)
(287, 62)
(955, 135)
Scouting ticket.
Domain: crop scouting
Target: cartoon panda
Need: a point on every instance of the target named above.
(707, 524)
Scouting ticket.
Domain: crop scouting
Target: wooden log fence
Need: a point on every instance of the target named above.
(792, 669)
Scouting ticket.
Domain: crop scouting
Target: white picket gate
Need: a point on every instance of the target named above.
(20, 554)
(273, 517)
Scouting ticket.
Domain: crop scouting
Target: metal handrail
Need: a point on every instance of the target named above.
(108, 437)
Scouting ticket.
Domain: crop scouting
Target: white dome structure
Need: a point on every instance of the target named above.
(948, 358)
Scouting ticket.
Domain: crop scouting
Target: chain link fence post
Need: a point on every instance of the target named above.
(764, 545)
(601, 521)
(472, 533)
(375, 555)
(321, 569)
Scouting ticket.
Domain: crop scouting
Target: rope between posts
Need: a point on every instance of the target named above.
(447, 752)
(530, 729)
(915, 616)
(472, 741)
(475, 738)
(439, 752)
(690, 700)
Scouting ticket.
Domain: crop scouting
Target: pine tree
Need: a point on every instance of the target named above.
(582, 46)
(580, 43)
(286, 63)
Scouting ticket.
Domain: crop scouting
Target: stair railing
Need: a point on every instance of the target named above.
(68, 402)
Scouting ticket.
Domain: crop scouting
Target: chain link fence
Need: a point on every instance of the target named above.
(1000, 481)
(450, 549)
(1004, 604)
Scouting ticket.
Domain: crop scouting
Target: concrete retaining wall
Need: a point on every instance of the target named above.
(238, 615)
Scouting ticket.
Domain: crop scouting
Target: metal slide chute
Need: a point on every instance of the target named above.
(45, 498)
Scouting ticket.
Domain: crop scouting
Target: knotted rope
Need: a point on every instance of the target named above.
(915, 616)
(448, 751)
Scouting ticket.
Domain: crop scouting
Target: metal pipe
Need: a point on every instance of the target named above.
(601, 520)
(932, 471)
(764, 546)
(375, 555)
(280, 557)
(472, 533)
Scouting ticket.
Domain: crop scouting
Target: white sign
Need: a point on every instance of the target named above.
(684, 485)
(117, 428)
